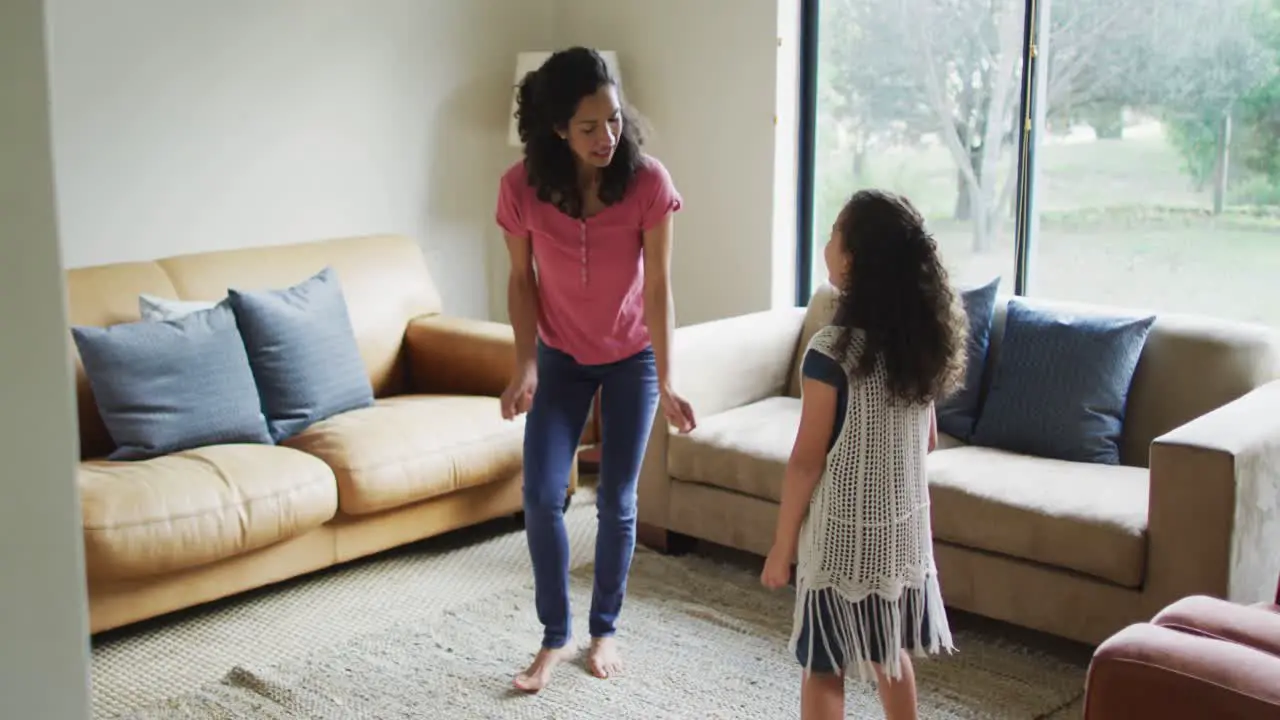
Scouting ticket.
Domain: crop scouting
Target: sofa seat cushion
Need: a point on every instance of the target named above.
(1087, 517)
(198, 506)
(410, 448)
(744, 449)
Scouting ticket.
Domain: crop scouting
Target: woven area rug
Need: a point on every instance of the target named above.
(702, 640)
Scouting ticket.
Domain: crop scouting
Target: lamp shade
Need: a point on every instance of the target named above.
(527, 62)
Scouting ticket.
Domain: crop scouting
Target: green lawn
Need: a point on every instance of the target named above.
(1120, 224)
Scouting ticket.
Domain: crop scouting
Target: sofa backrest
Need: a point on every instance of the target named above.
(822, 307)
(1190, 365)
(384, 279)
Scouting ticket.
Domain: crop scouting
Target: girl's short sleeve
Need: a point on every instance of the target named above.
(510, 207)
(661, 197)
(821, 367)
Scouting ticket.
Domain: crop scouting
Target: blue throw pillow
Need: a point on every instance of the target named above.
(303, 352)
(163, 387)
(959, 413)
(1061, 383)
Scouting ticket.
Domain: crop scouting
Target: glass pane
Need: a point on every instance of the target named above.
(921, 97)
(1146, 102)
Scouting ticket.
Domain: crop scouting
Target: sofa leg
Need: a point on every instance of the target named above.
(664, 541)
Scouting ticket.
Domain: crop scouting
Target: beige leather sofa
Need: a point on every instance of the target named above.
(432, 455)
(1077, 550)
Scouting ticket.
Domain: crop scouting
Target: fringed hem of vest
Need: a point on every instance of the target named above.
(864, 630)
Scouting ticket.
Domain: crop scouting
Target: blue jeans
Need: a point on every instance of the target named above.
(629, 398)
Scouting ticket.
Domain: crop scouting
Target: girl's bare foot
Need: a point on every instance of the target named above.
(538, 674)
(604, 660)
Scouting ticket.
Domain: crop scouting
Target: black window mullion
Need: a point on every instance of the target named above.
(808, 130)
(807, 149)
(1032, 80)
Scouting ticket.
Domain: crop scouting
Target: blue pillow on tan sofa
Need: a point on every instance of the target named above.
(958, 413)
(1061, 382)
(164, 387)
(303, 352)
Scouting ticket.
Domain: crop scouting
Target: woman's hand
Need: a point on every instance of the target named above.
(677, 410)
(777, 568)
(518, 397)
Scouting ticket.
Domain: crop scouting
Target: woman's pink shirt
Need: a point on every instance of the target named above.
(590, 272)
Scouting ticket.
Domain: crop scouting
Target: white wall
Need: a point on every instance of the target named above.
(786, 157)
(710, 76)
(43, 618)
(185, 127)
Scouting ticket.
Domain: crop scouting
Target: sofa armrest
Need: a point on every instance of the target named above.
(459, 356)
(720, 365)
(1214, 513)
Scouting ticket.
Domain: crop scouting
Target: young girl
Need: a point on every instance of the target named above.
(855, 501)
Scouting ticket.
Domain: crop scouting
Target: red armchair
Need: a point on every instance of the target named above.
(1200, 657)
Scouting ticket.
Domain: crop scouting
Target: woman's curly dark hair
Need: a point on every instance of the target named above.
(546, 100)
(898, 293)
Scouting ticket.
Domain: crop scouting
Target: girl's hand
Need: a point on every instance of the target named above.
(677, 411)
(777, 569)
(518, 397)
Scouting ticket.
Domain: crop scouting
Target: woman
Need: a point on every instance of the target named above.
(593, 215)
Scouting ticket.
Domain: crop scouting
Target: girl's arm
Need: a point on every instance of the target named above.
(808, 460)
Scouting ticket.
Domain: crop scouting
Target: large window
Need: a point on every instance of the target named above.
(1134, 157)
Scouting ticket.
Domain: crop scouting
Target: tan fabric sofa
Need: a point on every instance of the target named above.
(432, 455)
(1077, 550)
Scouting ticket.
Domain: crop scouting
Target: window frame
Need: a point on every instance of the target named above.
(1025, 225)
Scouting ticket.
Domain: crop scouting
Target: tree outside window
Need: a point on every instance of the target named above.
(1157, 173)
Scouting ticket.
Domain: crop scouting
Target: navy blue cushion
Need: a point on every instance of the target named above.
(303, 352)
(163, 387)
(1060, 384)
(958, 414)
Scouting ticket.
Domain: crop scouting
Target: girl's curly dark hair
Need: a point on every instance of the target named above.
(546, 100)
(898, 293)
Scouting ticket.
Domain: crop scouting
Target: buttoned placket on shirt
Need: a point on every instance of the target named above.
(582, 241)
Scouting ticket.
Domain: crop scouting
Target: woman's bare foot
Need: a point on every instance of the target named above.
(604, 660)
(538, 674)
